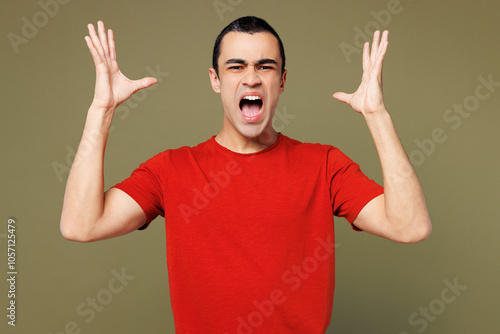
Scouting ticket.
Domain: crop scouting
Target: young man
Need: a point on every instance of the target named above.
(248, 213)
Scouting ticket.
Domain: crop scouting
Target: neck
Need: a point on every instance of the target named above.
(238, 143)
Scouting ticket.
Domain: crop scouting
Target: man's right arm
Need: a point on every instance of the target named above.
(89, 213)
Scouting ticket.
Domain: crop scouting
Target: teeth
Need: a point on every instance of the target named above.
(251, 97)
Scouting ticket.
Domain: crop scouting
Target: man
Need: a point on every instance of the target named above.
(248, 213)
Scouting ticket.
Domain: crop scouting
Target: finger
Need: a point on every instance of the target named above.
(95, 54)
(384, 39)
(112, 48)
(382, 48)
(342, 97)
(380, 59)
(95, 40)
(143, 83)
(103, 38)
(376, 72)
(385, 36)
(374, 51)
(366, 58)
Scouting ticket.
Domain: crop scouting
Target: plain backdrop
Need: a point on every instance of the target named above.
(440, 54)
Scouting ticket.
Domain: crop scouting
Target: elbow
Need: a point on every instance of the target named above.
(417, 234)
(72, 234)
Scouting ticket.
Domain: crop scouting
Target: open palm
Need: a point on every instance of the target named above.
(368, 98)
(112, 87)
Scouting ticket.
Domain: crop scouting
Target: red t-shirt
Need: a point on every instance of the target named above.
(250, 237)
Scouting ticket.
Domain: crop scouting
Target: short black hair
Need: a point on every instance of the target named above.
(249, 25)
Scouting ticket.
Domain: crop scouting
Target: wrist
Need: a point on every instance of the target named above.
(380, 114)
(95, 106)
(378, 121)
(100, 116)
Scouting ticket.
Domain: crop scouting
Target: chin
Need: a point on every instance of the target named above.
(251, 132)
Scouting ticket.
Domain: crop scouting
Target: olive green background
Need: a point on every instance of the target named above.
(437, 52)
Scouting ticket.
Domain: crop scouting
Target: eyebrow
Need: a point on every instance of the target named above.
(258, 62)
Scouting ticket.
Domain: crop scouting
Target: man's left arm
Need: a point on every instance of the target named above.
(400, 214)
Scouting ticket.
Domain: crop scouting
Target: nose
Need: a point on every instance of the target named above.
(251, 77)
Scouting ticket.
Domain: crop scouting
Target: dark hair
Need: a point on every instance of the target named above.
(249, 25)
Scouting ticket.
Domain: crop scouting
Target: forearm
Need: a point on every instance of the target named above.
(405, 205)
(84, 196)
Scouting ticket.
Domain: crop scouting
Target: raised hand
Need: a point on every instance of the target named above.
(112, 87)
(368, 98)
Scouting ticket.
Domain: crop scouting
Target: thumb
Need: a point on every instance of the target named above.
(143, 83)
(342, 97)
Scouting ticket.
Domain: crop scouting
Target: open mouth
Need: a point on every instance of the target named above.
(251, 107)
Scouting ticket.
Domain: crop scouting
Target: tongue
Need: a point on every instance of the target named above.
(250, 109)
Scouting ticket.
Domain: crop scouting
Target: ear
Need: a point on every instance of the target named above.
(214, 80)
(283, 80)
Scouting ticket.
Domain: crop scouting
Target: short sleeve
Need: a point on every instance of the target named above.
(350, 189)
(145, 186)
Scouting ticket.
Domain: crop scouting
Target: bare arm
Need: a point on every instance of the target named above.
(400, 214)
(88, 212)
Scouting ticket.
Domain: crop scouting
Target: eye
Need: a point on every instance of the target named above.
(266, 68)
(236, 67)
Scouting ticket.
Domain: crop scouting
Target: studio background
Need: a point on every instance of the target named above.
(440, 55)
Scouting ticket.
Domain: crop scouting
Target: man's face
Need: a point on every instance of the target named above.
(249, 81)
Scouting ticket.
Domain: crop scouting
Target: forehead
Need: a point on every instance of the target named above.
(249, 47)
